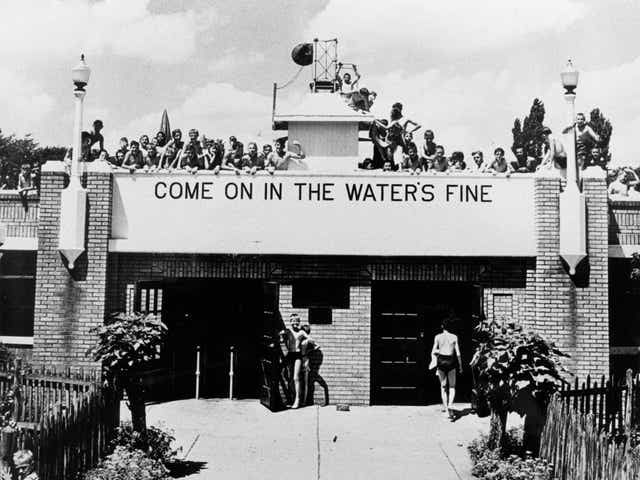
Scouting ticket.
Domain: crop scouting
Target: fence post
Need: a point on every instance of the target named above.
(629, 401)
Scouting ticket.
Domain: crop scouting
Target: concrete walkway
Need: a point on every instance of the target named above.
(244, 440)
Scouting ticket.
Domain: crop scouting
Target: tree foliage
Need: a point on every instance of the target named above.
(16, 151)
(528, 133)
(602, 126)
(511, 362)
(516, 371)
(126, 345)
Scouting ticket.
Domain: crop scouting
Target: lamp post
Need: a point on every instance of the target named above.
(80, 75)
(569, 77)
(573, 243)
(73, 201)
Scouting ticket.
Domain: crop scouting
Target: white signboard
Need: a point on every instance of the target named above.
(305, 214)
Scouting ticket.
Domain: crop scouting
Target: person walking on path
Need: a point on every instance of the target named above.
(445, 357)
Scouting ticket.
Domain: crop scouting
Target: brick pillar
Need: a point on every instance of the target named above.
(345, 344)
(70, 303)
(573, 312)
(593, 324)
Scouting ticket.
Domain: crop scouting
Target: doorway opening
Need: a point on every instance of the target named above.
(406, 316)
(212, 316)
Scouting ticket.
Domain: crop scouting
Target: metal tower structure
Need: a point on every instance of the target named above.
(325, 65)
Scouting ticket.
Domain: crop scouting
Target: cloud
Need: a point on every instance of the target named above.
(469, 111)
(450, 27)
(466, 112)
(233, 59)
(40, 29)
(217, 110)
(21, 101)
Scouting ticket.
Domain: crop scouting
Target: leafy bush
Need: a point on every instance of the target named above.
(491, 464)
(492, 467)
(512, 444)
(125, 345)
(126, 464)
(517, 371)
(510, 361)
(157, 445)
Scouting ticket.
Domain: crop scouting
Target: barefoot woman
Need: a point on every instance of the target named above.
(446, 353)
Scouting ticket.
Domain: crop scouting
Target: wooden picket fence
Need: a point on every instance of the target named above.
(608, 402)
(66, 417)
(580, 450)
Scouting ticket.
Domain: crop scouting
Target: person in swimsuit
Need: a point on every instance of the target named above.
(585, 136)
(294, 337)
(499, 164)
(307, 345)
(624, 185)
(446, 353)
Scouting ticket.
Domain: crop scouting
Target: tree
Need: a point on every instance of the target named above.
(17, 151)
(126, 344)
(528, 133)
(517, 371)
(602, 126)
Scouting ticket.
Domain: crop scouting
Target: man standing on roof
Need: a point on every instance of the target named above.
(554, 154)
(346, 85)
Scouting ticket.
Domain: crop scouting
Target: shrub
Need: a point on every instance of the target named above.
(491, 464)
(157, 445)
(517, 371)
(125, 464)
(512, 444)
(126, 345)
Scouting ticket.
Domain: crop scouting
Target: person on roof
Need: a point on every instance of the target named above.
(345, 83)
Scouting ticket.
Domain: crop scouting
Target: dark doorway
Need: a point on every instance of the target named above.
(405, 318)
(214, 315)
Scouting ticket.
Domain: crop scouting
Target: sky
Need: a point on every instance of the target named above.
(463, 68)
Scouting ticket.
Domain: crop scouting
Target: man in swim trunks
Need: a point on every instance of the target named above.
(446, 351)
(294, 337)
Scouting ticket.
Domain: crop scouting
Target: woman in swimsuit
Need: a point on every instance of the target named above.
(396, 130)
(446, 353)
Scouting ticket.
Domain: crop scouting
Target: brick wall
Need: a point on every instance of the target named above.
(19, 215)
(573, 312)
(536, 292)
(345, 344)
(624, 222)
(70, 303)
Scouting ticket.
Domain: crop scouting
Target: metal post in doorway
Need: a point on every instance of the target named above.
(197, 372)
(231, 359)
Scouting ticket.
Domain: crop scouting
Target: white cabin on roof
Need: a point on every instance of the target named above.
(327, 128)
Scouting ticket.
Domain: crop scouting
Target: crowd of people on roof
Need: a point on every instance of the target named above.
(396, 150)
(196, 152)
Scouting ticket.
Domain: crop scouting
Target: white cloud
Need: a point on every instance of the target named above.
(453, 26)
(616, 92)
(21, 101)
(233, 59)
(217, 110)
(466, 112)
(40, 29)
(477, 111)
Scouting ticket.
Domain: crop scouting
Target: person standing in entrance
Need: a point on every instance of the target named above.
(294, 336)
(446, 356)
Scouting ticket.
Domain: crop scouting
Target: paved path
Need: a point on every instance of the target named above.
(243, 440)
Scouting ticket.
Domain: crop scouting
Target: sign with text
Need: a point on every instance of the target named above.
(306, 214)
